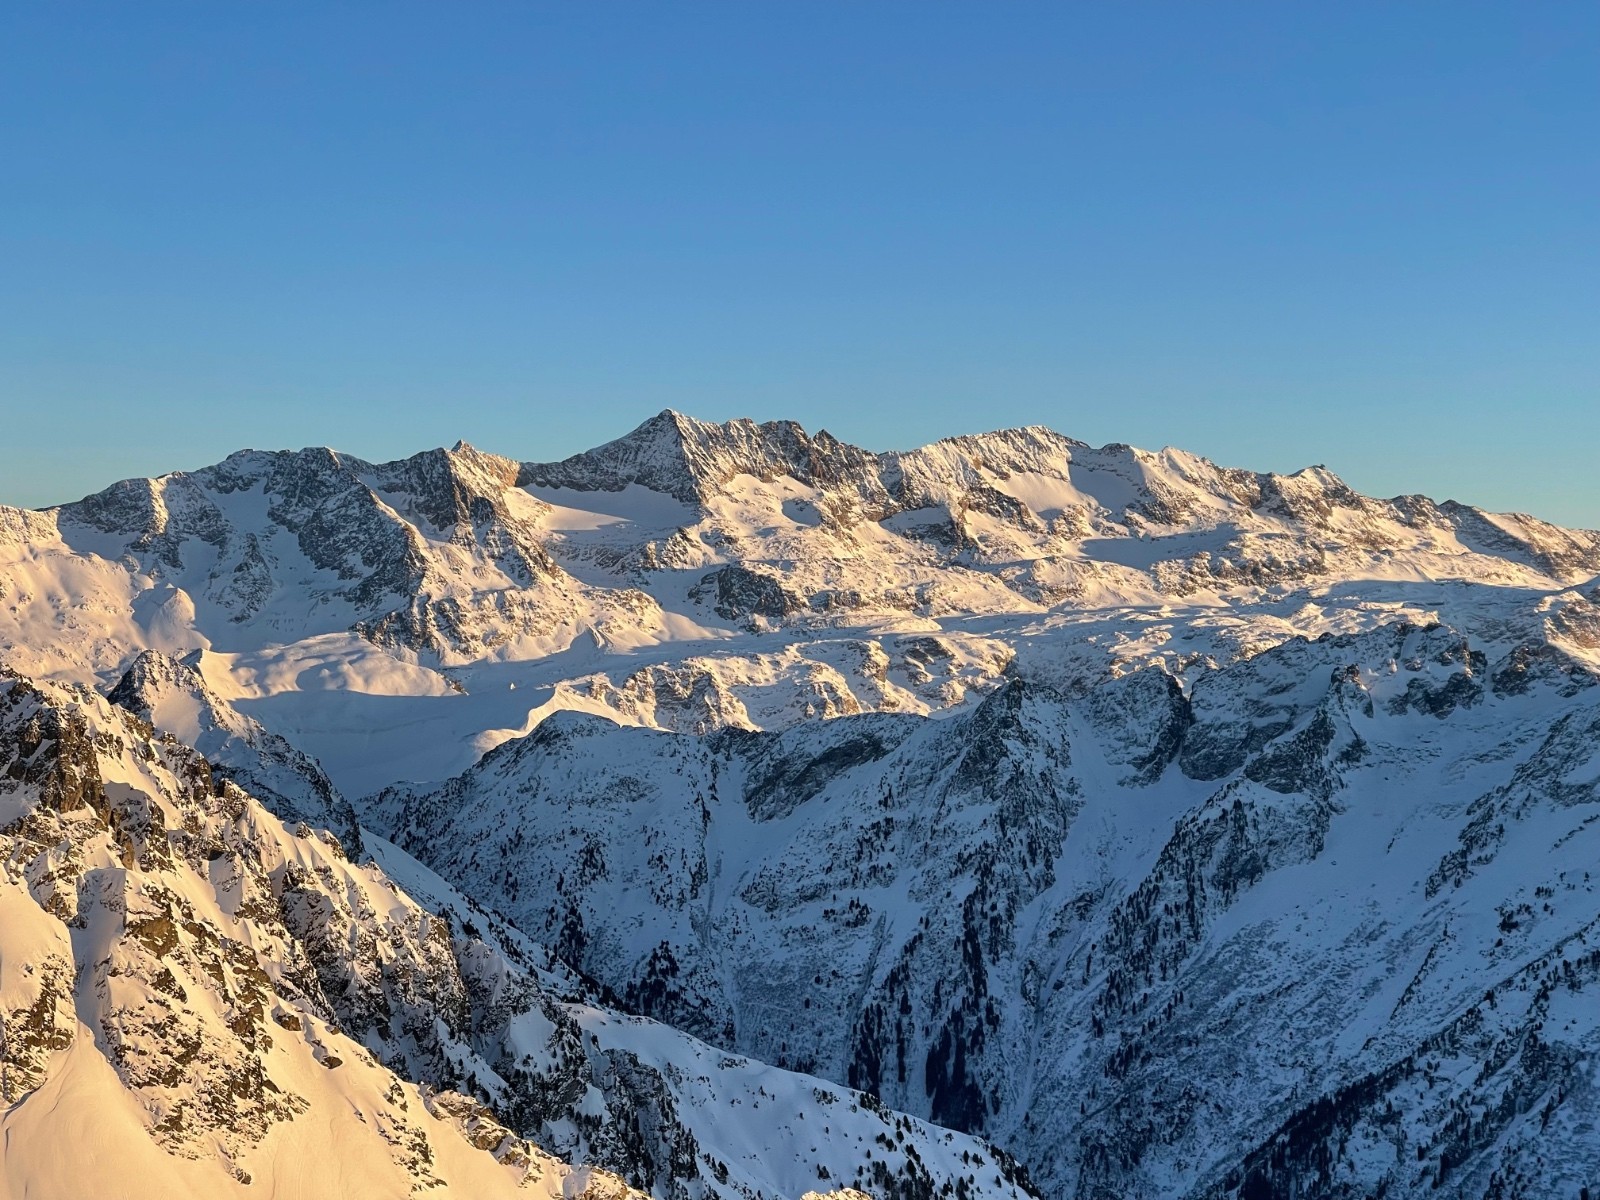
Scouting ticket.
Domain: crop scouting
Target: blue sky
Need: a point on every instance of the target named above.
(1275, 234)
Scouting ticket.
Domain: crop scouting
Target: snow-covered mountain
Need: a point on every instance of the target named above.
(1185, 830)
(396, 620)
(174, 697)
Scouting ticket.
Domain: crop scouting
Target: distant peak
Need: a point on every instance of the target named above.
(693, 460)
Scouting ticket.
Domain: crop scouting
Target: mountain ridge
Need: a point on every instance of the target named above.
(704, 450)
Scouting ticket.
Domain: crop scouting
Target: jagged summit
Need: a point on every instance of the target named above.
(692, 460)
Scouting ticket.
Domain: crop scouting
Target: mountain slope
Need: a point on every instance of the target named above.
(174, 697)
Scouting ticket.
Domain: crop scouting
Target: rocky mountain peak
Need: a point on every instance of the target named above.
(693, 460)
(150, 674)
(174, 697)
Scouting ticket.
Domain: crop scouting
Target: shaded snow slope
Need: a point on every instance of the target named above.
(1325, 920)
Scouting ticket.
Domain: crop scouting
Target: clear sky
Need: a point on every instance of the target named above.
(1366, 235)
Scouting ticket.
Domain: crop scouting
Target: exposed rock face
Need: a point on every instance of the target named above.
(692, 461)
(432, 554)
(738, 594)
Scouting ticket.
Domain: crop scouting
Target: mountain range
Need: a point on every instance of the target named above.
(731, 811)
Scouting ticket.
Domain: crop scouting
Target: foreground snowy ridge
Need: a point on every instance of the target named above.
(203, 998)
(1249, 853)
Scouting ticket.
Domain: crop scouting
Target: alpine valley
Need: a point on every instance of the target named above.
(728, 811)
